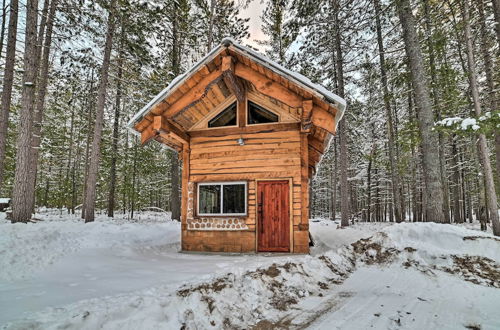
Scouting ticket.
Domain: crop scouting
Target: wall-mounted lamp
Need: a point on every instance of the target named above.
(241, 142)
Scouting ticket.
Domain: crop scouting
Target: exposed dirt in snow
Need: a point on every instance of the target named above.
(478, 270)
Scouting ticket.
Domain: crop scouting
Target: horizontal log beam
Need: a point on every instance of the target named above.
(316, 144)
(194, 95)
(162, 125)
(324, 119)
(267, 86)
(148, 134)
(263, 128)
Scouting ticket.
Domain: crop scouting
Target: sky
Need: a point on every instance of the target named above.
(254, 11)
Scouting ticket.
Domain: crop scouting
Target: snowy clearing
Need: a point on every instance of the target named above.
(118, 274)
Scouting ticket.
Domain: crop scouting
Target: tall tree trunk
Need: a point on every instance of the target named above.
(211, 22)
(90, 196)
(87, 144)
(175, 204)
(335, 179)
(496, 13)
(369, 187)
(8, 80)
(490, 74)
(437, 110)
(23, 187)
(433, 187)
(2, 29)
(44, 51)
(134, 171)
(116, 122)
(342, 128)
(396, 197)
(491, 196)
(457, 217)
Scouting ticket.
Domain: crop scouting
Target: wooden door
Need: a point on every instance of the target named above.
(273, 216)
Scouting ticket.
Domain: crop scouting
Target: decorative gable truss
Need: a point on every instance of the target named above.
(232, 73)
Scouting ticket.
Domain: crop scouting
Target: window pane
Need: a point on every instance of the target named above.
(234, 198)
(209, 199)
(226, 117)
(259, 115)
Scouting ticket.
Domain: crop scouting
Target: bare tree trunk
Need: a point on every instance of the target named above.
(437, 111)
(8, 80)
(491, 196)
(175, 204)
(457, 217)
(369, 186)
(210, 37)
(116, 122)
(87, 144)
(342, 128)
(90, 196)
(21, 211)
(489, 72)
(496, 13)
(134, 171)
(433, 187)
(396, 197)
(44, 51)
(2, 29)
(335, 178)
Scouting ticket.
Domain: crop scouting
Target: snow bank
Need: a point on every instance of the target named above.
(294, 291)
(328, 235)
(234, 300)
(443, 239)
(28, 248)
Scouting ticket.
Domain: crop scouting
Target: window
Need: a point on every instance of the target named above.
(225, 198)
(226, 117)
(259, 115)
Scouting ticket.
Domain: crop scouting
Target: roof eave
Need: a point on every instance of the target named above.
(296, 78)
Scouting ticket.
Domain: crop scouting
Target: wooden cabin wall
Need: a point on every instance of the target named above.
(264, 156)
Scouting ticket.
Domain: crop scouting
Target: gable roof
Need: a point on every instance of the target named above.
(302, 81)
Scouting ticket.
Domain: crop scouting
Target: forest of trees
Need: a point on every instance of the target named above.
(420, 140)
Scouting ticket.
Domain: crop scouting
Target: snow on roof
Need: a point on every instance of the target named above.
(4, 200)
(295, 77)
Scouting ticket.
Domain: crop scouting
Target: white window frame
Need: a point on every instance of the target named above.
(222, 184)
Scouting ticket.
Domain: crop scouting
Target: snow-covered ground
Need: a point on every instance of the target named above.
(122, 274)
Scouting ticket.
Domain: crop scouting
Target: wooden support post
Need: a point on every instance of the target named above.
(242, 112)
(232, 82)
(304, 177)
(185, 183)
(307, 107)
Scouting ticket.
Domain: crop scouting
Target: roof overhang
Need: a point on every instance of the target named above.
(228, 43)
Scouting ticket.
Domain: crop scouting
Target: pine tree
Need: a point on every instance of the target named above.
(430, 162)
(90, 196)
(8, 81)
(273, 26)
(23, 187)
(491, 196)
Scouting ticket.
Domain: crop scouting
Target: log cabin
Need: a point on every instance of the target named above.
(250, 134)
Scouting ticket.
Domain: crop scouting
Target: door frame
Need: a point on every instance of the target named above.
(290, 211)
